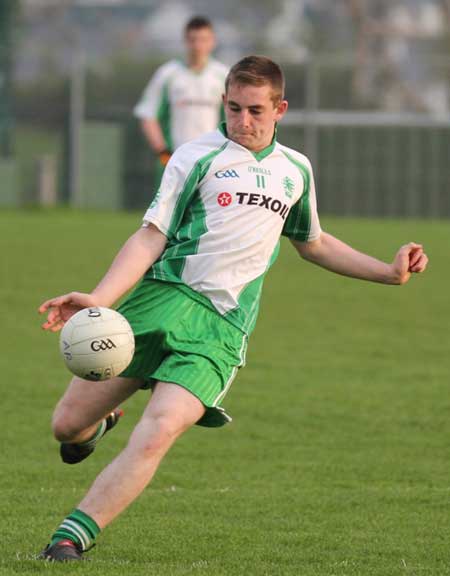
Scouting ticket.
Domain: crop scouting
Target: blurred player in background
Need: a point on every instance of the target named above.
(207, 241)
(183, 100)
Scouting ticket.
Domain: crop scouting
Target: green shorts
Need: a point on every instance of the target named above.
(182, 341)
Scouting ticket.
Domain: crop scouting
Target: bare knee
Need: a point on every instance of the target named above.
(154, 436)
(64, 426)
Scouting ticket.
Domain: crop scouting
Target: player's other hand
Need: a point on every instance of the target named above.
(61, 308)
(164, 157)
(410, 259)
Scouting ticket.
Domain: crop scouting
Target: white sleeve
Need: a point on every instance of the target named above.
(150, 101)
(179, 183)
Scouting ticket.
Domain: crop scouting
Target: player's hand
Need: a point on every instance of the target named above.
(61, 308)
(164, 157)
(410, 259)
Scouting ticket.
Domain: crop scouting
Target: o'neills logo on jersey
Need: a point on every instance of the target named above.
(267, 202)
(224, 199)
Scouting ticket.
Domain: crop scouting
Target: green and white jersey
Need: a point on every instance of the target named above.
(223, 209)
(186, 103)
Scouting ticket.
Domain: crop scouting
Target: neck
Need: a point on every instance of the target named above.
(197, 63)
(262, 146)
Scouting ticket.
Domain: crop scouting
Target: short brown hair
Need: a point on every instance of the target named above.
(197, 23)
(258, 71)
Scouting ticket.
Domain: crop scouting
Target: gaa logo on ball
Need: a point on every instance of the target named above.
(97, 343)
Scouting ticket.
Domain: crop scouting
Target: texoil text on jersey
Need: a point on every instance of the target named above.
(267, 202)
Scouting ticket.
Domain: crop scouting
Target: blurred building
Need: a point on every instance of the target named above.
(367, 81)
(400, 47)
(403, 54)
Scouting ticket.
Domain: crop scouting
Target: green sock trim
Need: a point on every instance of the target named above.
(89, 522)
(78, 527)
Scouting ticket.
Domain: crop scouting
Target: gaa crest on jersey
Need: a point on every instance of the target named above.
(289, 186)
(224, 199)
(226, 174)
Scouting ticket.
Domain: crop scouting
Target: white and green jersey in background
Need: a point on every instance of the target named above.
(223, 209)
(186, 103)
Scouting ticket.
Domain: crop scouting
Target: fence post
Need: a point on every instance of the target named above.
(46, 180)
(77, 88)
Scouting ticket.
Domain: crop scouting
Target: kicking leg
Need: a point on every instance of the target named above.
(84, 404)
(86, 412)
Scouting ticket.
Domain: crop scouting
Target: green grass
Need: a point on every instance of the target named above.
(336, 464)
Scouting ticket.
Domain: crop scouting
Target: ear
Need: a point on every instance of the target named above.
(280, 110)
(224, 99)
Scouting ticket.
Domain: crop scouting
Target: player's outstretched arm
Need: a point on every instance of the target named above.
(136, 256)
(332, 254)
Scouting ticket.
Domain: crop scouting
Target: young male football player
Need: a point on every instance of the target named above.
(207, 241)
(183, 99)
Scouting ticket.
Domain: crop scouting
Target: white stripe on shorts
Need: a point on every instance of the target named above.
(242, 351)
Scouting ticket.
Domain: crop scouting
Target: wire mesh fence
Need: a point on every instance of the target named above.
(366, 162)
(375, 164)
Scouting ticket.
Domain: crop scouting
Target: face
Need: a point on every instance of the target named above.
(251, 115)
(200, 43)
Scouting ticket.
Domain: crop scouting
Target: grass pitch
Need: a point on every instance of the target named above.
(336, 464)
